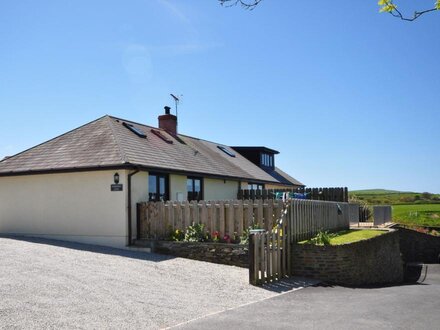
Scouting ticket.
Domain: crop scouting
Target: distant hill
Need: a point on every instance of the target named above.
(379, 192)
(386, 196)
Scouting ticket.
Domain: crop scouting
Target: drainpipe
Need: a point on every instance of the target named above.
(129, 205)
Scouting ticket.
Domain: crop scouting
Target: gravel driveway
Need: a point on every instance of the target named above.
(53, 284)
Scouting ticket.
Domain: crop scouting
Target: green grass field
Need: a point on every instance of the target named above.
(409, 208)
(379, 192)
(393, 197)
(417, 214)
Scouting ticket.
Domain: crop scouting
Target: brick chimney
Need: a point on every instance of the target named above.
(168, 121)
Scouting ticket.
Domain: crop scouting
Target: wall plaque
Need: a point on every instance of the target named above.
(116, 187)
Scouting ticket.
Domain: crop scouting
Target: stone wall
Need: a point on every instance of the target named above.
(373, 261)
(221, 253)
(419, 247)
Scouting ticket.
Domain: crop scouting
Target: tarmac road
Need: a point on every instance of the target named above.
(415, 306)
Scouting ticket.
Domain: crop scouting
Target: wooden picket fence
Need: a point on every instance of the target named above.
(339, 194)
(306, 218)
(270, 251)
(156, 220)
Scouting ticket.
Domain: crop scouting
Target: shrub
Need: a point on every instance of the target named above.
(215, 236)
(407, 199)
(365, 210)
(195, 233)
(177, 235)
(426, 195)
(226, 239)
(244, 238)
(322, 238)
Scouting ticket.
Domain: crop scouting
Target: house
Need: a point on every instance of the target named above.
(83, 186)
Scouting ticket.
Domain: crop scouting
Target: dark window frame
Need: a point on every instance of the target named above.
(267, 160)
(135, 130)
(166, 194)
(227, 151)
(193, 178)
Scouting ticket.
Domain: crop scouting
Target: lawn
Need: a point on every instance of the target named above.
(419, 215)
(349, 236)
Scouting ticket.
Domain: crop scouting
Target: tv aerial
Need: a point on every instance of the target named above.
(176, 101)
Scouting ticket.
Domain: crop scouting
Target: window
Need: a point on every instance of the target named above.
(226, 151)
(157, 187)
(160, 135)
(194, 188)
(255, 186)
(135, 130)
(267, 160)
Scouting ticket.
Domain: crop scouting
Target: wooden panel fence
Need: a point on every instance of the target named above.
(353, 211)
(270, 250)
(307, 218)
(156, 220)
(382, 214)
(320, 194)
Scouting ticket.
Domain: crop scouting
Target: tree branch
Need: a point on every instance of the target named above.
(386, 5)
(247, 4)
(396, 13)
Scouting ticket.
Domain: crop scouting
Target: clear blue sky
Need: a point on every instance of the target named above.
(350, 97)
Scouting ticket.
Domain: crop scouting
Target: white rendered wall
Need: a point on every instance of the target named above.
(139, 193)
(220, 189)
(75, 207)
(178, 187)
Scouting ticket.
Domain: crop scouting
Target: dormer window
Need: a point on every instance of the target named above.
(261, 156)
(267, 160)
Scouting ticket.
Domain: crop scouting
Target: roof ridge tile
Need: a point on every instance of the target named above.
(117, 141)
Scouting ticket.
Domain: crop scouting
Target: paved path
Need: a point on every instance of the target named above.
(52, 284)
(397, 307)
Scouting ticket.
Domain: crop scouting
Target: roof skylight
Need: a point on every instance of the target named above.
(226, 151)
(135, 130)
(177, 137)
(163, 137)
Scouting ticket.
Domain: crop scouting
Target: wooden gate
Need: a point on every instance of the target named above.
(270, 250)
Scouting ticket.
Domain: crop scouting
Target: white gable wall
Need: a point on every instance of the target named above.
(139, 193)
(68, 206)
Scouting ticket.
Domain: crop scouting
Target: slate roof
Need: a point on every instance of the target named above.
(284, 178)
(106, 143)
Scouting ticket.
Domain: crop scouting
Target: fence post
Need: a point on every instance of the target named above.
(252, 261)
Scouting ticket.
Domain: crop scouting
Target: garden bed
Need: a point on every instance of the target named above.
(220, 253)
(348, 236)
